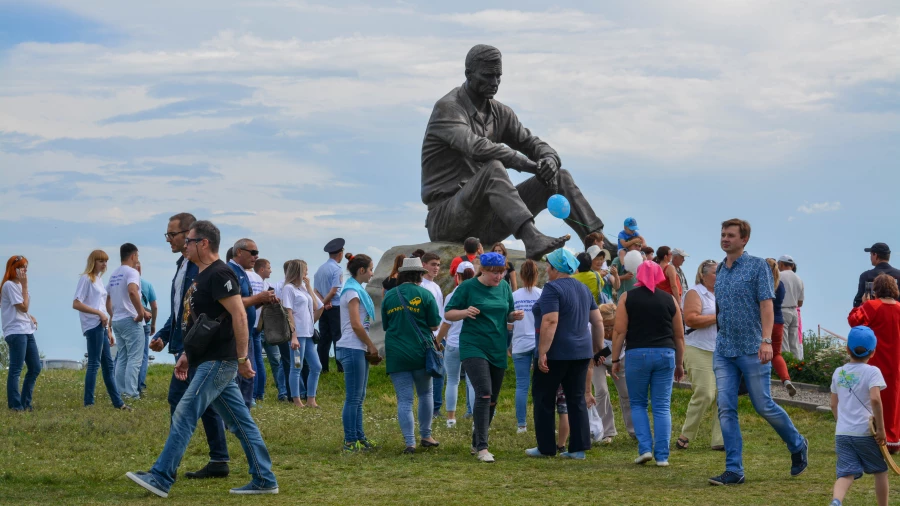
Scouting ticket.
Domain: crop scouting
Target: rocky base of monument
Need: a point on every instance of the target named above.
(447, 251)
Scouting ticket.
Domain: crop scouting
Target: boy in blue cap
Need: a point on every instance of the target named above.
(855, 398)
(628, 237)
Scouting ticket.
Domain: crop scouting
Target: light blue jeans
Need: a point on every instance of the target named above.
(129, 336)
(404, 382)
(452, 370)
(356, 378)
(306, 352)
(757, 377)
(274, 355)
(522, 363)
(653, 370)
(213, 385)
(145, 362)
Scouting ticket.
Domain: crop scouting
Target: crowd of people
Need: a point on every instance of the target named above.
(644, 327)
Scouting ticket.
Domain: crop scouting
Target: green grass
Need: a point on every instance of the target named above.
(63, 453)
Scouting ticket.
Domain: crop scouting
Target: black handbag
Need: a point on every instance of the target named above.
(434, 360)
(316, 337)
(203, 333)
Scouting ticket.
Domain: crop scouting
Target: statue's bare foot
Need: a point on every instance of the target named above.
(538, 246)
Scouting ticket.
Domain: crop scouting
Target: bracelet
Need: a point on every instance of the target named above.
(616, 361)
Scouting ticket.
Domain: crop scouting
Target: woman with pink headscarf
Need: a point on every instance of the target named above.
(648, 324)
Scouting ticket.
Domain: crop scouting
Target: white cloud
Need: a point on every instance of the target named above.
(499, 20)
(819, 207)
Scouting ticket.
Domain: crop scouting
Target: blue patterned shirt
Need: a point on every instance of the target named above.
(739, 290)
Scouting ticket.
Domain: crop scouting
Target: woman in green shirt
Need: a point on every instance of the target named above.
(410, 314)
(485, 305)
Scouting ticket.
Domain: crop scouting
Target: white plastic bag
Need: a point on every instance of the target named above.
(596, 424)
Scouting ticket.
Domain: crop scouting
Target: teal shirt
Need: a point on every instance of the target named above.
(624, 286)
(403, 346)
(485, 335)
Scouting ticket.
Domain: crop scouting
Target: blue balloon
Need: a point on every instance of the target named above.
(559, 206)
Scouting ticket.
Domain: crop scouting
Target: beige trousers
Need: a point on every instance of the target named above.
(698, 365)
(604, 406)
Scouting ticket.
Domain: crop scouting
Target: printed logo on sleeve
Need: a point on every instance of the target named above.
(228, 285)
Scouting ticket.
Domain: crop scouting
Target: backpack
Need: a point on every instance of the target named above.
(275, 324)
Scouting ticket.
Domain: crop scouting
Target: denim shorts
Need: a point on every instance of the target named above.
(857, 455)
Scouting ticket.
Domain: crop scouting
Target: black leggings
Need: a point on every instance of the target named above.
(486, 381)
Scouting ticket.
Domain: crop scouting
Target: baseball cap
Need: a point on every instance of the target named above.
(631, 223)
(463, 266)
(786, 259)
(594, 250)
(861, 337)
(680, 252)
(879, 248)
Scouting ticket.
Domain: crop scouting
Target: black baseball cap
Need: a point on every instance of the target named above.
(879, 248)
(334, 246)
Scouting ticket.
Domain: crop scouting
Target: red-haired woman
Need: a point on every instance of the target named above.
(882, 315)
(90, 302)
(19, 327)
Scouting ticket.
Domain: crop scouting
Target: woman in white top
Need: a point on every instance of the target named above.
(90, 302)
(304, 309)
(353, 348)
(18, 329)
(700, 340)
(448, 337)
(523, 343)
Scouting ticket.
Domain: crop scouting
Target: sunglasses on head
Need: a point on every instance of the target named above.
(18, 258)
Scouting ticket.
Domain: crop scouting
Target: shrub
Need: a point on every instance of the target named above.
(821, 358)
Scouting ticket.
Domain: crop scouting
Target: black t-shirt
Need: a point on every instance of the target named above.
(214, 283)
(650, 319)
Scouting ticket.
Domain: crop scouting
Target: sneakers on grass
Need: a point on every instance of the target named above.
(253, 489)
(451, 423)
(727, 478)
(521, 430)
(486, 457)
(644, 458)
(572, 455)
(800, 459)
(534, 452)
(147, 481)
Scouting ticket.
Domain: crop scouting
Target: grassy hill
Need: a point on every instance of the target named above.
(63, 453)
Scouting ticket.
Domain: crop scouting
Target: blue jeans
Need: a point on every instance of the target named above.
(356, 378)
(403, 384)
(452, 370)
(651, 369)
(212, 422)
(129, 339)
(522, 363)
(23, 351)
(259, 381)
(99, 357)
(308, 353)
(142, 376)
(437, 387)
(274, 355)
(213, 385)
(757, 377)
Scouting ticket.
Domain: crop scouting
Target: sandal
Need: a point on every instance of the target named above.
(682, 443)
(717, 448)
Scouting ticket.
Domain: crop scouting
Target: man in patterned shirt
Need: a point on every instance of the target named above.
(744, 294)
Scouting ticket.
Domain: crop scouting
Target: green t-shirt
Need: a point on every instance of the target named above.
(403, 347)
(485, 335)
(624, 285)
(593, 281)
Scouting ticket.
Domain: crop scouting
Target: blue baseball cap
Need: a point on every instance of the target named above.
(631, 223)
(861, 336)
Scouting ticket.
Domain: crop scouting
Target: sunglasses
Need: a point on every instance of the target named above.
(196, 239)
(172, 235)
(253, 252)
(18, 258)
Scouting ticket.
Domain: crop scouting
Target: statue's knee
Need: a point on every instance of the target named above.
(566, 176)
(496, 169)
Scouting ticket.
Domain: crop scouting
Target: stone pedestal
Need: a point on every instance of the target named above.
(447, 251)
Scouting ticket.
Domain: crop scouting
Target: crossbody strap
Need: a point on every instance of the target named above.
(412, 321)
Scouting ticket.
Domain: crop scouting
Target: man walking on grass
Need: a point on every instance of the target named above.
(744, 294)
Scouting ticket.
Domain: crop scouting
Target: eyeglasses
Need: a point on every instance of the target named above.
(253, 252)
(172, 235)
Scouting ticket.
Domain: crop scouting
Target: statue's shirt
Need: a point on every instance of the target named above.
(459, 139)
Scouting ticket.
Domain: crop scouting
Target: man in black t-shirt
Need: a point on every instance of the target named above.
(214, 292)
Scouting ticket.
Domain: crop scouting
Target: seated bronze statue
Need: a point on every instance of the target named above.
(470, 141)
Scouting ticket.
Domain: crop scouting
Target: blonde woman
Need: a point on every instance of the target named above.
(90, 302)
(304, 309)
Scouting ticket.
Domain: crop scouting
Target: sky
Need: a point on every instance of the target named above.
(293, 122)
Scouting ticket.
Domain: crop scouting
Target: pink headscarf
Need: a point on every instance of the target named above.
(650, 274)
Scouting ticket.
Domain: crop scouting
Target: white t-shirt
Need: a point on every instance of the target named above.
(435, 290)
(851, 383)
(118, 292)
(455, 327)
(793, 289)
(279, 287)
(92, 295)
(178, 297)
(523, 330)
(705, 338)
(257, 286)
(14, 321)
(299, 301)
(348, 337)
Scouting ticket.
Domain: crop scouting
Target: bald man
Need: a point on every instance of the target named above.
(470, 141)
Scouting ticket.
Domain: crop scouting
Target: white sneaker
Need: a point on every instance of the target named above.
(451, 423)
(643, 459)
(521, 430)
(486, 457)
(662, 463)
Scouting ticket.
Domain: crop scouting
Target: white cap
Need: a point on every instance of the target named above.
(461, 268)
(679, 252)
(593, 251)
(786, 259)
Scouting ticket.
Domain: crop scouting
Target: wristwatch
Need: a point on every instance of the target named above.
(767, 341)
(243, 359)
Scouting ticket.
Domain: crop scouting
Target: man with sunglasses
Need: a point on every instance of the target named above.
(252, 295)
(172, 335)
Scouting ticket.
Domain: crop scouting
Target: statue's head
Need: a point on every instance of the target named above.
(483, 70)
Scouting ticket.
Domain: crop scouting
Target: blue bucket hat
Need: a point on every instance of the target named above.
(492, 260)
(563, 260)
(861, 337)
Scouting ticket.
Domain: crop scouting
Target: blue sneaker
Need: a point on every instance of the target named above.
(800, 459)
(253, 489)
(727, 478)
(534, 452)
(147, 481)
(572, 455)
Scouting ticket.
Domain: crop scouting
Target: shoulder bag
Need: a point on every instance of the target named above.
(203, 333)
(434, 360)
